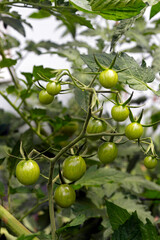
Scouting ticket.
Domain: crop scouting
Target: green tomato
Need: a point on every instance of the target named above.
(119, 113)
(53, 88)
(64, 195)
(134, 130)
(107, 152)
(74, 167)
(150, 162)
(96, 126)
(108, 78)
(27, 172)
(45, 98)
(70, 128)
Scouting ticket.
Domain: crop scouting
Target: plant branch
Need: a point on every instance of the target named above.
(104, 134)
(32, 209)
(51, 202)
(13, 224)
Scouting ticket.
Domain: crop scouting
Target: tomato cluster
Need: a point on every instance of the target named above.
(73, 169)
(46, 96)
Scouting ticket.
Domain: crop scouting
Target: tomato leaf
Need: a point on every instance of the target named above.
(135, 76)
(114, 11)
(97, 177)
(154, 10)
(29, 237)
(14, 23)
(122, 27)
(117, 215)
(134, 229)
(75, 222)
(40, 14)
(39, 72)
(7, 62)
(82, 98)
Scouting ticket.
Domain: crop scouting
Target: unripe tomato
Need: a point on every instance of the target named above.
(27, 172)
(107, 152)
(96, 126)
(108, 78)
(119, 113)
(70, 128)
(150, 162)
(45, 98)
(134, 131)
(53, 88)
(73, 168)
(64, 195)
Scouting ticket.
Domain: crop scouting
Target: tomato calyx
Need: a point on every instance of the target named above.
(138, 120)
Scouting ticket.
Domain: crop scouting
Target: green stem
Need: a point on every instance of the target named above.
(104, 134)
(52, 163)
(93, 80)
(13, 224)
(9, 196)
(51, 202)
(32, 209)
(77, 139)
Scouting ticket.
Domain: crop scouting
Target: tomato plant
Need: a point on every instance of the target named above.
(74, 167)
(108, 78)
(120, 113)
(64, 195)
(27, 172)
(107, 152)
(96, 126)
(45, 98)
(58, 134)
(150, 162)
(134, 130)
(53, 88)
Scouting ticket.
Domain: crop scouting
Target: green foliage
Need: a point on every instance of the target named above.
(7, 62)
(115, 201)
(128, 226)
(117, 216)
(113, 11)
(154, 10)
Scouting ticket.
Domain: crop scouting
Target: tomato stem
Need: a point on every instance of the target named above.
(13, 224)
(51, 202)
